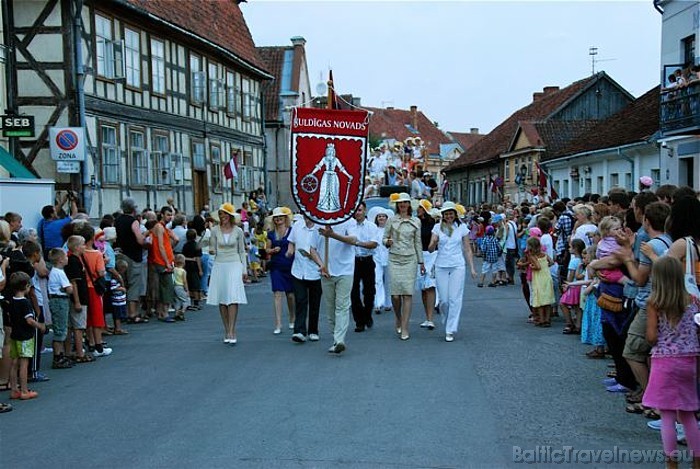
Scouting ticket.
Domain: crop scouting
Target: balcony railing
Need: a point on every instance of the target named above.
(680, 111)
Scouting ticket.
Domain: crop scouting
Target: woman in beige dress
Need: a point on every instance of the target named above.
(402, 237)
(226, 284)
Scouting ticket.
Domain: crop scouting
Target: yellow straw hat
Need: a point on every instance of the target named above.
(227, 208)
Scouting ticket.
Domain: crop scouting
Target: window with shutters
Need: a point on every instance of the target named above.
(132, 57)
(110, 155)
(157, 66)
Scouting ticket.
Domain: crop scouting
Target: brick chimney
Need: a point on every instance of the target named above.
(414, 117)
(474, 130)
(550, 89)
(298, 41)
(537, 95)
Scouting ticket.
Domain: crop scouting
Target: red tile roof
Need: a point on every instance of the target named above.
(499, 139)
(273, 57)
(466, 140)
(391, 123)
(218, 21)
(637, 122)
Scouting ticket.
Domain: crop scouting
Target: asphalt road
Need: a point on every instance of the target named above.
(173, 395)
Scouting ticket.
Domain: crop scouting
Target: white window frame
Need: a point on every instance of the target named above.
(197, 80)
(162, 170)
(138, 158)
(108, 53)
(199, 158)
(132, 57)
(216, 168)
(246, 112)
(110, 155)
(233, 95)
(157, 66)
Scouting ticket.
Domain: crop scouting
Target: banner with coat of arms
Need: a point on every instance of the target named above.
(328, 158)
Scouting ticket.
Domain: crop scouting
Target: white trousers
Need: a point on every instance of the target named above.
(450, 288)
(382, 299)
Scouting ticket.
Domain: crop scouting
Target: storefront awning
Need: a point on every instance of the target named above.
(14, 167)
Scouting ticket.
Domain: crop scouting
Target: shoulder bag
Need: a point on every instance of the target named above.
(99, 283)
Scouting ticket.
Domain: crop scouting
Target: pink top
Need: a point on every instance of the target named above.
(679, 341)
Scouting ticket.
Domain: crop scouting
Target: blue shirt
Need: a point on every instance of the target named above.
(50, 232)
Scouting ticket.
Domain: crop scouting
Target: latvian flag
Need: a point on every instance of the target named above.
(231, 170)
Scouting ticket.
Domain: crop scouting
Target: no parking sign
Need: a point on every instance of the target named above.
(67, 143)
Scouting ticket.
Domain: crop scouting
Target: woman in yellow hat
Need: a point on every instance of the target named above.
(280, 266)
(402, 237)
(226, 288)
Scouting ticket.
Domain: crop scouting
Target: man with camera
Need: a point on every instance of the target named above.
(54, 219)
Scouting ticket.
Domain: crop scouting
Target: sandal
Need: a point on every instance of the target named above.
(5, 408)
(612, 374)
(636, 408)
(568, 330)
(634, 398)
(120, 332)
(595, 354)
(651, 414)
(87, 358)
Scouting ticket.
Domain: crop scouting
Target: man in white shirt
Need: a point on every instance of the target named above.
(307, 279)
(338, 263)
(511, 245)
(367, 235)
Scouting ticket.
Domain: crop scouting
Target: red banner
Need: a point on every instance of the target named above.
(329, 150)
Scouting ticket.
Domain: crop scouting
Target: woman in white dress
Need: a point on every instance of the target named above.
(226, 288)
(382, 299)
(329, 190)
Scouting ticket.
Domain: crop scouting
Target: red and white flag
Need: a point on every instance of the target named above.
(544, 181)
(231, 168)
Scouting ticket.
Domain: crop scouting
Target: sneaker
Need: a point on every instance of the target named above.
(299, 338)
(291, 325)
(47, 350)
(424, 324)
(609, 382)
(313, 337)
(39, 377)
(617, 388)
(337, 348)
(104, 353)
(449, 337)
(277, 331)
(431, 325)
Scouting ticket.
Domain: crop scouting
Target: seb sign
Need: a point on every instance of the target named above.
(67, 143)
(17, 126)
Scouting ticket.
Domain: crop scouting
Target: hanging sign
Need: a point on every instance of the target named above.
(328, 160)
(71, 167)
(67, 143)
(17, 126)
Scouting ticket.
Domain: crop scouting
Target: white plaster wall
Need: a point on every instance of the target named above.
(677, 23)
(47, 48)
(27, 11)
(29, 84)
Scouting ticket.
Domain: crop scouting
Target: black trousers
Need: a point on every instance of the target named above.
(307, 299)
(616, 344)
(511, 258)
(365, 276)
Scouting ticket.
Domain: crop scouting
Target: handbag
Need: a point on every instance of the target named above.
(99, 283)
(691, 285)
(610, 303)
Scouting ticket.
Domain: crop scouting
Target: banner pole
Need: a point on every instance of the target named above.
(325, 253)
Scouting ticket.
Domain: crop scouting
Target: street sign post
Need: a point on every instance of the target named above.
(67, 143)
(17, 126)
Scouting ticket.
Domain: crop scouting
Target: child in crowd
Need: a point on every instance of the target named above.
(260, 242)
(611, 280)
(672, 384)
(79, 298)
(24, 323)
(571, 299)
(182, 297)
(94, 265)
(591, 327)
(60, 290)
(117, 287)
(491, 250)
(193, 266)
(541, 290)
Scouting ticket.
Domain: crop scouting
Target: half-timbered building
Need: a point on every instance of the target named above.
(168, 92)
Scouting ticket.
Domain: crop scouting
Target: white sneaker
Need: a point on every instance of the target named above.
(431, 325)
(291, 325)
(299, 337)
(424, 324)
(106, 351)
(277, 331)
(313, 337)
(449, 337)
(337, 348)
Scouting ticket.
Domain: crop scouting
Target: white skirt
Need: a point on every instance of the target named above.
(226, 284)
(424, 282)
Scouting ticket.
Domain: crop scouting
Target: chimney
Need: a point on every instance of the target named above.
(474, 130)
(298, 41)
(550, 89)
(536, 96)
(414, 117)
(390, 108)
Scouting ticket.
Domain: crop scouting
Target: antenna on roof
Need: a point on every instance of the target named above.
(593, 52)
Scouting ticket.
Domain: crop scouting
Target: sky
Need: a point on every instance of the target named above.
(465, 64)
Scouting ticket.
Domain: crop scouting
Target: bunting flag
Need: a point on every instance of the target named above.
(231, 168)
(544, 181)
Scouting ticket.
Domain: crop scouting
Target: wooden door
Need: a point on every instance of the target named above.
(201, 190)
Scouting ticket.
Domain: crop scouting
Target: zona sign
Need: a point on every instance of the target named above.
(66, 140)
(67, 143)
